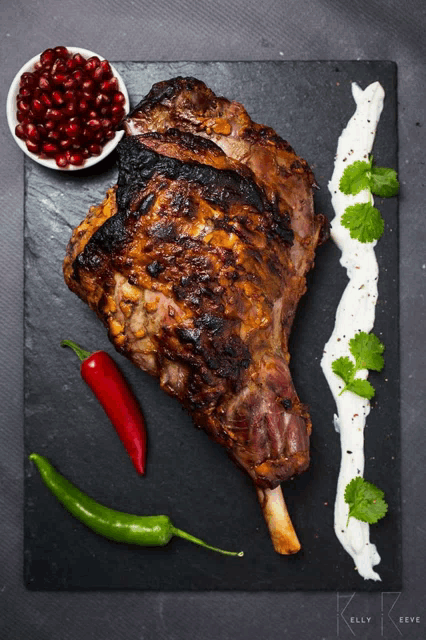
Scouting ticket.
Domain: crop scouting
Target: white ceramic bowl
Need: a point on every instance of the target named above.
(50, 162)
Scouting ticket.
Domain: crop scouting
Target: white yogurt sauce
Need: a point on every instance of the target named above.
(356, 312)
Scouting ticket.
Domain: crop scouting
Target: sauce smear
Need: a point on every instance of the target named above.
(356, 312)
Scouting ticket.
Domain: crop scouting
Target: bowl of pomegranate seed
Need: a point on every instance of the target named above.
(64, 107)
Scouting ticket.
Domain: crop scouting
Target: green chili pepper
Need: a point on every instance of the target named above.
(146, 531)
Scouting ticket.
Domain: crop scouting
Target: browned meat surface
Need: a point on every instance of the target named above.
(196, 261)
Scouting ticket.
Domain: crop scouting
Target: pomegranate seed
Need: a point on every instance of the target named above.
(20, 131)
(85, 153)
(118, 98)
(38, 107)
(98, 74)
(94, 123)
(59, 78)
(109, 135)
(23, 106)
(41, 130)
(78, 75)
(105, 66)
(70, 64)
(61, 128)
(58, 67)
(70, 108)
(24, 92)
(93, 114)
(61, 160)
(79, 60)
(45, 99)
(109, 85)
(104, 111)
(49, 125)
(106, 124)
(87, 95)
(88, 84)
(54, 114)
(72, 129)
(38, 66)
(32, 132)
(92, 63)
(27, 80)
(54, 135)
(95, 149)
(83, 105)
(88, 134)
(76, 159)
(65, 144)
(44, 83)
(61, 52)
(49, 148)
(116, 120)
(32, 146)
(69, 95)
(58, 98)
(101, 99)
(69, 83)
(99, 136)
(47, 58)
(20, 116)
(117, 110)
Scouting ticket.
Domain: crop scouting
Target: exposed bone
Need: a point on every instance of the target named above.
(283, 535)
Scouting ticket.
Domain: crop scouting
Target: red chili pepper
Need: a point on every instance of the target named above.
(108, 384)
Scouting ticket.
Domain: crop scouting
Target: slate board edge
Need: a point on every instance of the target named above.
(234, 63)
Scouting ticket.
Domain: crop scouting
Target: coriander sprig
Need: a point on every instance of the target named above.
(364, 221)
(366, 501)
(360, 175)
(366, 350)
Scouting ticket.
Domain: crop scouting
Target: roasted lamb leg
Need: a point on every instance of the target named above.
(195, 262)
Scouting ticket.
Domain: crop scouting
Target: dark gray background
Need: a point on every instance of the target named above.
(132, 30)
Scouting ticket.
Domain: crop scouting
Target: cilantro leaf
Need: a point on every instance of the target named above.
(366, 501)
(344, 368)
(367, 350)
(384, 182)
(362, 388)
(356, 177)
(364, 222)
(361, 175)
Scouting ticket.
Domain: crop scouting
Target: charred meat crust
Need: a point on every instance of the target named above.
(209, 347)
(222, 188)
(195, 105)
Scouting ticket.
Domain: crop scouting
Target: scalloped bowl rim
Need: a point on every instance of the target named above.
(13, 121)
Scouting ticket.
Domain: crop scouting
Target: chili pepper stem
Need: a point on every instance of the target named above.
(81, 353)
(188, 536)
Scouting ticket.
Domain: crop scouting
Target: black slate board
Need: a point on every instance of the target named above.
(189, 477)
